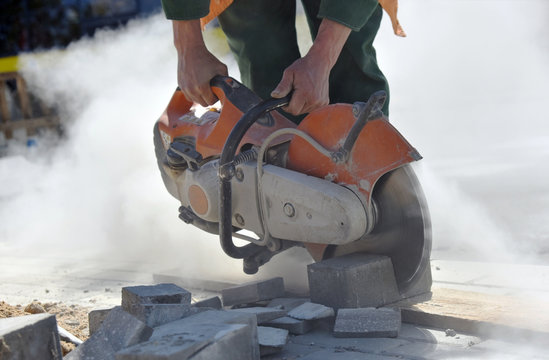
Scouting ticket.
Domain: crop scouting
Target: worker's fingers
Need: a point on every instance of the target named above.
(284, 86)
(297, 104)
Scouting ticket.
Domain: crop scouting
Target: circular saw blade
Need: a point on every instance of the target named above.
(402, 230)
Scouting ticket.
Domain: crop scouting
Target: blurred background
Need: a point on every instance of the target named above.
(84, 81)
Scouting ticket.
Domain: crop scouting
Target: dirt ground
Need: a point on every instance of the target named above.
(72, 318)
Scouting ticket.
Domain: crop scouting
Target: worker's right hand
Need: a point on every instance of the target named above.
(195, 68)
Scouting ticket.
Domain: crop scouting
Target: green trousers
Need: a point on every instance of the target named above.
(262, 36)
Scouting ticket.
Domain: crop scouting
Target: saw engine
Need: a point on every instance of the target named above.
(338, 183)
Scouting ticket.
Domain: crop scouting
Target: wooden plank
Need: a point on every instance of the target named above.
(46, 121)
(479, 314)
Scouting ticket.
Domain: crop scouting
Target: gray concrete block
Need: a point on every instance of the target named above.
(271, 340)
(294, 326)
(263, 314)
(158, 314)
(30, 337)
(119, 330)
(213, 317)
(311, 311)
(367, 322)
(213, 303)
(154, 294)
(96, 318)
(287, 303)
(353, 281)
(253, 291)
(196, 341)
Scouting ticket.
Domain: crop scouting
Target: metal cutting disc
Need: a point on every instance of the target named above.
(402, 230)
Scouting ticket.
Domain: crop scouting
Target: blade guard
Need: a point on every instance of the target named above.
(379, 148)
(210, 136)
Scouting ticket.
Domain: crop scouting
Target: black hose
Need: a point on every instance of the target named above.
(226, 172)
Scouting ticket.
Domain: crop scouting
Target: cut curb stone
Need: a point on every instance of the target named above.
(311, 311)
(253, 292)
(353, 281)
(159, 314)
(367, 322)
(30, 337)
(287, 303)
(196, 341)
(154, 294)
(214, 303)
(119, 330)
(214, 317)
(294, 326)
(271, 340)
(263, 314)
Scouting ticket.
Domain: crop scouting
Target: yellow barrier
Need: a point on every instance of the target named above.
(8, 64)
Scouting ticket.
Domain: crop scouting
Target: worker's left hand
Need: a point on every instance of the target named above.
(308, 78)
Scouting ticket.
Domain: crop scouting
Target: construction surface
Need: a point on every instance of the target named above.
(472, 314)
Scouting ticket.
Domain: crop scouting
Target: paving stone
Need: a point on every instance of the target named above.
(263, 314)
(30, 337)
(287, 303)
(196, 341)
(96, 318)
(367, 322)
(353, 281)
(311, 311)
(271, 340)
(294, 326)
(119, 330)
(213, 303)
(214, 317)
(253, 291)
(154, 294)
(158, 314)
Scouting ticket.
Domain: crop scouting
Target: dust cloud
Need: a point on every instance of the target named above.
(469, 85)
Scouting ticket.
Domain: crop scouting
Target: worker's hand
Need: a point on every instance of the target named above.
(308, 78)
(195, 69)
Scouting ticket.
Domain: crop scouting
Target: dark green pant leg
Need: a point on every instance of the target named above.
(262, 36)
(356, 75)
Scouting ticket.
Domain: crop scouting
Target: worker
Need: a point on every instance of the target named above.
(340, 66)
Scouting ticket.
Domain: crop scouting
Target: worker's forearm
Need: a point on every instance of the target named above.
(329, 42)
(187, 35)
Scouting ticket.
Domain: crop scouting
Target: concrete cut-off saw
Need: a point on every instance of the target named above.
(340, 182)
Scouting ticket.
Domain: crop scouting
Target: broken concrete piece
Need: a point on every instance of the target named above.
(287, 303)
(294, 326)
(263, 314)
(271, 340)
(253, 291)
(214, 303)
(213, 317)
(311, 311)
(154, 294)
(96, 318)
(196, 341)
(30, 337)
(119, 330)
(367, 322)
(353, 281)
